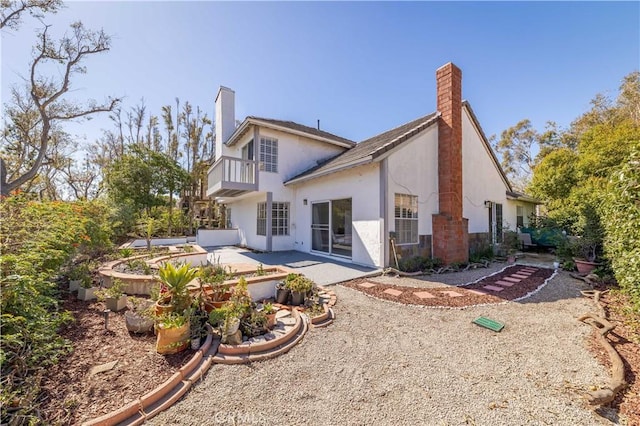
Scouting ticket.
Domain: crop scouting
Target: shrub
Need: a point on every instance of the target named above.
(621, 220)
(38, 238)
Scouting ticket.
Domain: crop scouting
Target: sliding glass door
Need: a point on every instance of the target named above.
(332, 227)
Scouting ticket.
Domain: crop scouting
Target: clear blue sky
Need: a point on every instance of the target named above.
(361, 68)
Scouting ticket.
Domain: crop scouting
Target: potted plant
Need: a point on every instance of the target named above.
(87, 290)
(212, 280)
(254, 324)
(270, 312)
(300, 286)
(77, 275)
(198, 319)
(586, 246)
(114, 297)
(282, 292)
(139, 319)
(174, 291)
(174, 332)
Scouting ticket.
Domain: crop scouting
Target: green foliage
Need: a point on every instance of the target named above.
(172, 320)
(590, 186)
(481, 254)
(621, 219)
(142, 177)
(115, 291)
(240, 301)
(298, 283)
(417, 264)
(175, 281)
(36, 240)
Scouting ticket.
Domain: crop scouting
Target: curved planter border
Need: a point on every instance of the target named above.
(251, 351)
(164, 396)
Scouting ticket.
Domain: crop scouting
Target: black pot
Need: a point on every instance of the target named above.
(282, 296)
(297, 297)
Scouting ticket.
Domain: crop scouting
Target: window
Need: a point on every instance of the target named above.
(499, 230)
(519, 216)
(269, 155)
(279, 219)
(247, 151)
(261, 227)
(228, 224)
(406, 219)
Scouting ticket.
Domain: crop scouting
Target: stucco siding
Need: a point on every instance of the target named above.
(481, 180)
(362, 185)
(413, 170)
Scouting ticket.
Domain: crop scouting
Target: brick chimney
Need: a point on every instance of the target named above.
(225, 118)
(450, 229)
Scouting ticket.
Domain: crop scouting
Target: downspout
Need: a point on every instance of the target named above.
(269, 220)
(384, 211)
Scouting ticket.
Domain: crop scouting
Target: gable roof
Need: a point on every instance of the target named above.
(289, 127)
(368, 150)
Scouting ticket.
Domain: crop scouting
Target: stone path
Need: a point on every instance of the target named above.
(512, 283)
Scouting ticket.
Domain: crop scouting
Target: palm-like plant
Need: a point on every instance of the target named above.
(175, 279)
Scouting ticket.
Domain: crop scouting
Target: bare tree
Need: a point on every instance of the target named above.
(12, 11)
(47, 93)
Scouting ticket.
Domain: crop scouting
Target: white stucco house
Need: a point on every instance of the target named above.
(433, 185)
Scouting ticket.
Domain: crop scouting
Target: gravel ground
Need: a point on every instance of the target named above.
(387, 364)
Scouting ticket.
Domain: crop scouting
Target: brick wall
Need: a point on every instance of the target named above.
(450, 229)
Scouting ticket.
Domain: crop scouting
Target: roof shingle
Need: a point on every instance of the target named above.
(372, 147)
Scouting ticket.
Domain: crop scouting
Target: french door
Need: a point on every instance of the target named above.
(331, 227)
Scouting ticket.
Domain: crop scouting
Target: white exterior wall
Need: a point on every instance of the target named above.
(362, 185)
(295, 155)
(413, 170)
(510, 212)
(481, 180)
(244, 218)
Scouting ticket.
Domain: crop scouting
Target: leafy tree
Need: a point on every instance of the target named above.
(521, 147)
(38, 108)
(142, 177)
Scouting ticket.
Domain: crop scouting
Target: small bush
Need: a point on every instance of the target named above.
(417, 264)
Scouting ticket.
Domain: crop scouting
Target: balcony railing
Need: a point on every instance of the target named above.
(231, 177)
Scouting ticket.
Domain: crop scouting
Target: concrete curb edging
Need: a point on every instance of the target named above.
(166, 394)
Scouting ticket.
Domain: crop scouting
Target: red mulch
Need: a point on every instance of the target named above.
(520, 289)
(625, 338)
(71, 396)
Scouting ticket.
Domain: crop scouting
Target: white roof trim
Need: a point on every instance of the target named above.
(341, 167)
(249, 121)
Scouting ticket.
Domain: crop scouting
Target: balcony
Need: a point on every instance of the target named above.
(231, 177)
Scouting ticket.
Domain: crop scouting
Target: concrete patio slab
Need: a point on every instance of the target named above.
(322, 270)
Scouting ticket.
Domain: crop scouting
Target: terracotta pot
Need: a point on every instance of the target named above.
(584, 266)
(162, 308)
(173, 340)
(271, 320)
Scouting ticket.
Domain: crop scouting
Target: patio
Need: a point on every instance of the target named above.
(322, 270)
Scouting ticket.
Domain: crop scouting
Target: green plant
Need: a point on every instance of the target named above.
(260, 270)
(115, 291)
(240, 300)
(214, 276)
(298, 283)
(268, 309)
(125, 252)
(82, 273)
(217, 316)
(254, 324)
(142, 307)
(154, 292)
(175, 281)
(139, 264)
(187, 248)
(172, 320)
